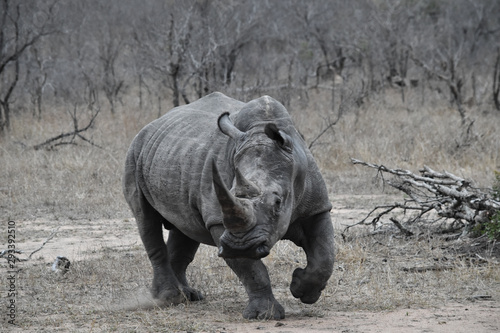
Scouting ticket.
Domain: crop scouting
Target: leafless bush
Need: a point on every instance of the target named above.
(68, 138)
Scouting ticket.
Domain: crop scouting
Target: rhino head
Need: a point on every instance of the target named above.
(257, 209)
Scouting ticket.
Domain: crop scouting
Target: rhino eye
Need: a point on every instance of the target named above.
(277, 207)
(277, 200)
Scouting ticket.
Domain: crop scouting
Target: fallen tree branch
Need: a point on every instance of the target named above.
(76, 133)
(54, 232)
(424, 269)
(77, 130)
(3, 253)
(405, 231)
(432, 194)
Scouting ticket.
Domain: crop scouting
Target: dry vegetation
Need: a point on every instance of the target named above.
(83, 181)
(398, 83)
(78, 188)
(393, 133)
(106, 288)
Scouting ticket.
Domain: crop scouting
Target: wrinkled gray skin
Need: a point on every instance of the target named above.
(241, 183)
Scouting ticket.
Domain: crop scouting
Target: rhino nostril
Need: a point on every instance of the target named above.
(258, 252)
(262, 251)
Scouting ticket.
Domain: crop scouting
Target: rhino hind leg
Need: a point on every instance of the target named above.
(181, 251)
(166, 287)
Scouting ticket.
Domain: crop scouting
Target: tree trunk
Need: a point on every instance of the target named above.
(496, 81)
(4, 117)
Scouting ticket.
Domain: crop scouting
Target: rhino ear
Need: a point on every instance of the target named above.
(280, 137)
(227, 127)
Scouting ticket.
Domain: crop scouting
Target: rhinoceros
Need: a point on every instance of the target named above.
(233, 175)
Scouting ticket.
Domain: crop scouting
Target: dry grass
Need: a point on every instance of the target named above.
(107, 290)
(390, 132)
(84, 181)
(73, 182)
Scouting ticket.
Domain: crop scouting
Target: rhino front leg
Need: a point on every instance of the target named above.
(315, 236)
(254, 276)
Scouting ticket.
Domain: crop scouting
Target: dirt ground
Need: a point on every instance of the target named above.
(85, 240)
(477, 317)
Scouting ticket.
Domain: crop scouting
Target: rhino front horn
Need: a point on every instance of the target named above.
(237, 213)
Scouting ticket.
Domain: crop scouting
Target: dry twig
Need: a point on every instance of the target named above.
(3, 253)
(76, 133)
(447, 195)
(54, 232)
(62, 139)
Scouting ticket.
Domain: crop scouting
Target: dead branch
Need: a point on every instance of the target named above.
(77, 130)
(403, 230)
(54, 232)
(76, 133)
(426, 269)
(3, 253)
(442, 193)
(490, 261)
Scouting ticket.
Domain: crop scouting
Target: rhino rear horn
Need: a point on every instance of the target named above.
(227, 127)
(237, 213)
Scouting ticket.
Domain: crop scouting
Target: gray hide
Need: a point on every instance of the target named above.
(237, 176)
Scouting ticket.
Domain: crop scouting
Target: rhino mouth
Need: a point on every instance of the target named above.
(243, 247)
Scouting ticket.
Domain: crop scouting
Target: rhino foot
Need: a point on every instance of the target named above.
(192, 294)
(264, 308)
(305, 286)
(174, 296)
(168, 296)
